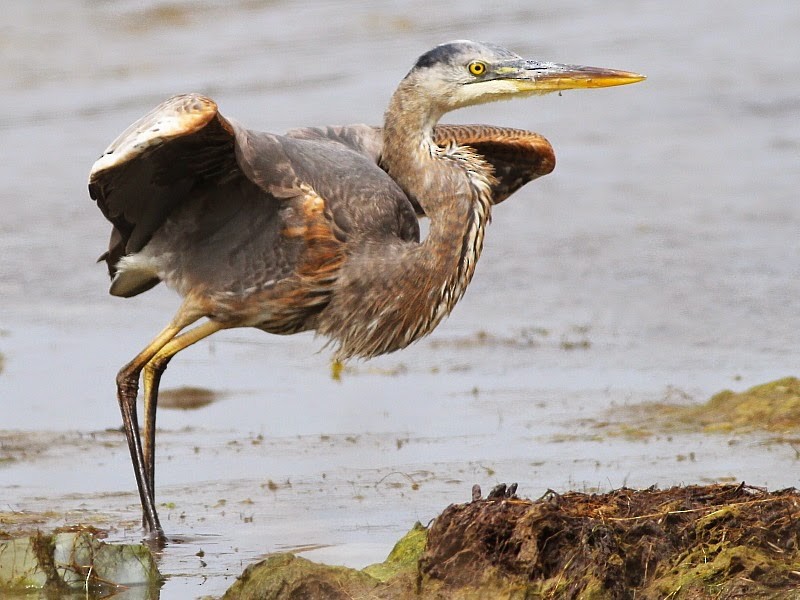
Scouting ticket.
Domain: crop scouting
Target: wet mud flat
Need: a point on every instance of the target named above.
(715, 541)
(720, 540)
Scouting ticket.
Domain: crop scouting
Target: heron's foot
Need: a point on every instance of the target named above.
(150, 521)
(156, 541)
(154, 532)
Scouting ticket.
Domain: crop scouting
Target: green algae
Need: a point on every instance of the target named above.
(772, 407)
(404, 556)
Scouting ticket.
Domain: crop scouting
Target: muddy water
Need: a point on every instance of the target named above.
(661, 258)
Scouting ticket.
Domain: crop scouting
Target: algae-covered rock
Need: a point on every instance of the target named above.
(403, 558)
(23, 563)
(773, 406)
(79, 554)
(285, 576)
(75, 560)
(289, 577)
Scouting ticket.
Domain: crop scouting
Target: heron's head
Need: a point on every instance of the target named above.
(463, 73)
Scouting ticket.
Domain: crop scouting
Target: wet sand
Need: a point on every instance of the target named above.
(660, 260)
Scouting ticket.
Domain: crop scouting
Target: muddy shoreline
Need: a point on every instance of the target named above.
(249, 507)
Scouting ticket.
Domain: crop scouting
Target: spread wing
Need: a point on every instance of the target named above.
(153, 166)
(270, 205)
(517, 156)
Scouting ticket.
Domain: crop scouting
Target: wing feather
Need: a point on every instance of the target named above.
(517, 156)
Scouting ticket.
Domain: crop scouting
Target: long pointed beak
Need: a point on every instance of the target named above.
(551, 77)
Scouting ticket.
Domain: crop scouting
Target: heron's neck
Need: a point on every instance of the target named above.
(453, 187)
(395, 292)
(409, 153)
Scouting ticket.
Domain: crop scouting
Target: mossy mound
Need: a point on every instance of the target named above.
(285, 576)
(773, 406)
(697, 542)
(404, 556)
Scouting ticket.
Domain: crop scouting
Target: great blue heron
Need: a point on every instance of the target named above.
(316, 229)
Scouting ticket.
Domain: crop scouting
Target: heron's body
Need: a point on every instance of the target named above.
(316, 229)
(307, 224)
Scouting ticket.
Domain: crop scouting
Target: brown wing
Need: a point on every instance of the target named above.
(517, 156)
(152, 167)
(253, 205)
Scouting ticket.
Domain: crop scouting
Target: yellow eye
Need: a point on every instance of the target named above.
(477, 68)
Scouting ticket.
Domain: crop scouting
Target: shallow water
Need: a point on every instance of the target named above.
(663, 251)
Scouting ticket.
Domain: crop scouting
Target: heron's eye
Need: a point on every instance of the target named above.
(477, 68)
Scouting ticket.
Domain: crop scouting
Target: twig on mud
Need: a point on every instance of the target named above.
(86, 581)
(414, 484)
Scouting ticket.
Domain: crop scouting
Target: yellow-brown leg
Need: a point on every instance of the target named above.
(151, 377)
(127, 390)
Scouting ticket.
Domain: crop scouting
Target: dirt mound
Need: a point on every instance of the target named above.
(697, 542)
(717, 541)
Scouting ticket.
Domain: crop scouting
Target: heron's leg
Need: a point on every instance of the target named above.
(151, 377)
(127, 390)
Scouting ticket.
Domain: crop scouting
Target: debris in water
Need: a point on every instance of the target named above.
(74, 559)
